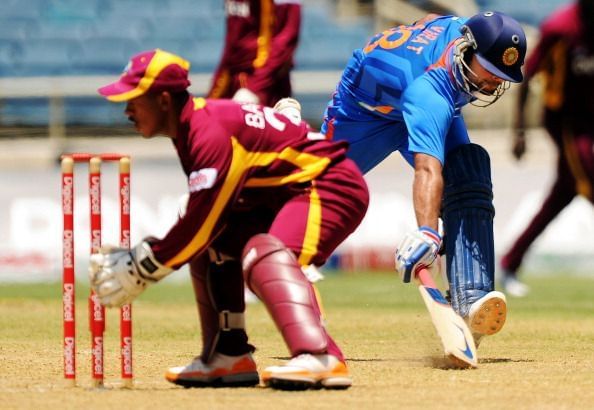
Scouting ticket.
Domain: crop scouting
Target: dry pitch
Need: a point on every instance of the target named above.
(543, 358)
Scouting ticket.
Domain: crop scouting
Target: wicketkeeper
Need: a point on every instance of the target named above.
(266, 197)
(404, 92)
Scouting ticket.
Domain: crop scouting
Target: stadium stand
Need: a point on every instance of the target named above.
(40, 38)
(530, 12)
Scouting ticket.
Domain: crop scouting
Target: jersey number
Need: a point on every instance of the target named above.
(258, 117)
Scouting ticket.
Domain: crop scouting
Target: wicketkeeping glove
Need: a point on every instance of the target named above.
(290, 108)
(418, 249)
(119, 275)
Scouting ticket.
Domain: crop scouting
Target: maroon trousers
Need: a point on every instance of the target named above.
(575, 176)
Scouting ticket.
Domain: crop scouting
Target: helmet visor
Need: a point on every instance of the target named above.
(513, 74)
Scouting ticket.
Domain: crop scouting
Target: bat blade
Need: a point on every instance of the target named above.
(456, 338)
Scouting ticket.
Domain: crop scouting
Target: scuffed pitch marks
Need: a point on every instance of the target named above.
(446, 363)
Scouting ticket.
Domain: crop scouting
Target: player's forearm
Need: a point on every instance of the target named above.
(427, 190)
(191, 234)
(520, 122)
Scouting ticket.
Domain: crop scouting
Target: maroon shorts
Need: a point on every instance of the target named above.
(311, 221)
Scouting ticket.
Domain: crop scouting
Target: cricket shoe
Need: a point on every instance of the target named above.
(487, 315)
(308, 371)
(512, 286)
(221, 371)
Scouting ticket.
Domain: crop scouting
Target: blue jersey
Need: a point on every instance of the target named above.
(399, 93)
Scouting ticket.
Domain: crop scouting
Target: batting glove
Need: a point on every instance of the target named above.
(418, 249)
(119, 275)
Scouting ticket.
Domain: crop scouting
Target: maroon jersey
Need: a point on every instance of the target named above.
(236, 156)
(567, 62)
(261, 39)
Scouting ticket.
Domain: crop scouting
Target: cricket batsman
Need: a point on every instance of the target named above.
(266, 197)
(404, 92)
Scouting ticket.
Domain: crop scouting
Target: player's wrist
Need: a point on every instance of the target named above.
(432, 234)
(149, 268)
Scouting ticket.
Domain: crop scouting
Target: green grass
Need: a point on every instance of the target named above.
(543, 358)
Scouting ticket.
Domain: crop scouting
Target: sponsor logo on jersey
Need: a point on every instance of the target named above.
(583, 65)
(202, 179)
(237, 9)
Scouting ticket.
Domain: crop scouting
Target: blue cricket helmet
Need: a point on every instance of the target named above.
(499, 43)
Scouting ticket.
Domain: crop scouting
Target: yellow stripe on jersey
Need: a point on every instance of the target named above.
(554, 71)
(241, 161)
(265, 34)
(582, 183)
(221, 85)
(236, 171)
(199, 103)
(311, 166)
(312, 229)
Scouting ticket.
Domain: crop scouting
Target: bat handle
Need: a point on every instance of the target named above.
(424, 276)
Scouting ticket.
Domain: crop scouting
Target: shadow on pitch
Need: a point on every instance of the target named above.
(348, 359)
(443, 363)
(488, 360)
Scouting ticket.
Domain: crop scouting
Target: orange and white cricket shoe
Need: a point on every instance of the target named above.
(221, 371)
(487, 315)
(308, 371)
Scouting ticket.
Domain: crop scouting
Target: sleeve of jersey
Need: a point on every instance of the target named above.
(282, 47)
(428, 115)
(210, 194)
(534, 63)
(561, 24)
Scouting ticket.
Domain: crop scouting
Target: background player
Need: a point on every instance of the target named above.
(261, 39)
(404, 92)
(266, 198)
(565, 55)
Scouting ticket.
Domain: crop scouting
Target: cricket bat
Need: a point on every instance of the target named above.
(456, 338)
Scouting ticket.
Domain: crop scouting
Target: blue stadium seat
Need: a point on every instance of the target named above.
(10, 57)
(204, 55)
(213, 9)
(93, 110)
(97, 37)
(136, 9)
(65, 30)
(176, 46)
(328, 45)
(106, 55)
(20, 9)
(18, 28)
(25, 111)
(122, 26)
(48, 57)
(322, 53)
(526, 11)
(72, 10)
(177, 27)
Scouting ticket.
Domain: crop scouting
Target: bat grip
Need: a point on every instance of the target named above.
(424, 276)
